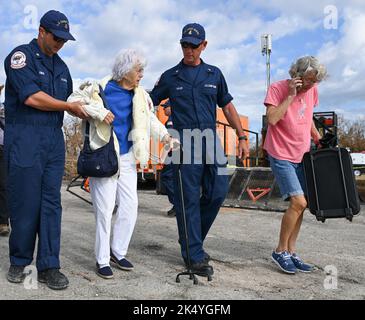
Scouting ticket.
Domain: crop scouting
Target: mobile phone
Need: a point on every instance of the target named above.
(299, 85)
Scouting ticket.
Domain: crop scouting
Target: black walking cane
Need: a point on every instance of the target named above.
(189, 272)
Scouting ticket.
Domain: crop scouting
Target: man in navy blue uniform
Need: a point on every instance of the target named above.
(195, 89)
(37, 86)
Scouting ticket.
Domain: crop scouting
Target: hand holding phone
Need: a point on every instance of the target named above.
(294, 85)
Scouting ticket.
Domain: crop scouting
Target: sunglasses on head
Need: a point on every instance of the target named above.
(55, 38)
(187, 45)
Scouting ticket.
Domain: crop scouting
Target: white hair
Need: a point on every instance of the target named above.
(125, 61)
(307, 64)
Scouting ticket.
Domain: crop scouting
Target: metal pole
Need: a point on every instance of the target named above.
(268, 69)
(266, 47)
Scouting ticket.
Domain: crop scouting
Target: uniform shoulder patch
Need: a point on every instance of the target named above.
(18, 60)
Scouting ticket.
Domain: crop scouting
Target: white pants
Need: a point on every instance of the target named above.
(105, 193)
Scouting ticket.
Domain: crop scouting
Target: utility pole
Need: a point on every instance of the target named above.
(266, 48)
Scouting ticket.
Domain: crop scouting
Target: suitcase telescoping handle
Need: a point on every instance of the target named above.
(320, 213)
(348, 210)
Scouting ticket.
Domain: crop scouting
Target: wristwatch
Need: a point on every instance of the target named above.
(242, 138)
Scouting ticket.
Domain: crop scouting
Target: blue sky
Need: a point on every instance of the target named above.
(233, 30)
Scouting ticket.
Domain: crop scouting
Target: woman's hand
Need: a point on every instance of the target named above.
(109, 118)
(170, 143)
(166, 139)
(295, 84)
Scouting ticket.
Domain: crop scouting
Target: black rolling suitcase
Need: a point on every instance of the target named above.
(331, 188)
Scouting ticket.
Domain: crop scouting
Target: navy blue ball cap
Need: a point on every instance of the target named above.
(57, 23)
(193, 33)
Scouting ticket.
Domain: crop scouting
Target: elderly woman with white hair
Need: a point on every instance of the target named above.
(131, 113)
(289, 114)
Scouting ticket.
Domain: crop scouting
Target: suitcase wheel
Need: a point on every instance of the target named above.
(321, 219)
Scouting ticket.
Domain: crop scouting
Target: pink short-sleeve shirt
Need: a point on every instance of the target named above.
(290, 137)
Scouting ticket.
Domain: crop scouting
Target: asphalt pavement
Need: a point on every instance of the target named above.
(240, 244)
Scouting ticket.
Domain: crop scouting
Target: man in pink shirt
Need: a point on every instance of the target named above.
(289, 114)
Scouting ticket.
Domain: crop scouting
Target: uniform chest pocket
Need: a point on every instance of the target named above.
(44, 81)
(62, 88)
(209, 89)
(178, 91)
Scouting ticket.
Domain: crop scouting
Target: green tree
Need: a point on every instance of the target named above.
(351, 134)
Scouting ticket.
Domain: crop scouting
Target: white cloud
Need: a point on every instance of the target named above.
(345, 63)
(233, 28)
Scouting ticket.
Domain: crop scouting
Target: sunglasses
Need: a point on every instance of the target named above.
(55, 38)
(187, 45)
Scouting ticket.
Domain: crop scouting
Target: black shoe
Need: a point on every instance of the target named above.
(202, 269)
(104, 272)
(54, 279)
(171, 212)
(122, 264)
(16, 274)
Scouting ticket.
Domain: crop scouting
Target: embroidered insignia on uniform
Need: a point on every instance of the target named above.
(17, 60)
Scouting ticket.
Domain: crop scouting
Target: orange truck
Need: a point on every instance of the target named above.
(225, 132)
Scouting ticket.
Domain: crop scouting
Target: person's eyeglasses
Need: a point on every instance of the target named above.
(187, 45)
(55, 38)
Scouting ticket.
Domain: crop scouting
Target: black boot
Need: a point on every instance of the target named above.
(202, 269)
(54, 279)
(16, 274)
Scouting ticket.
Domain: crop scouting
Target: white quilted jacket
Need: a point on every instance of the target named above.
(145, 123)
